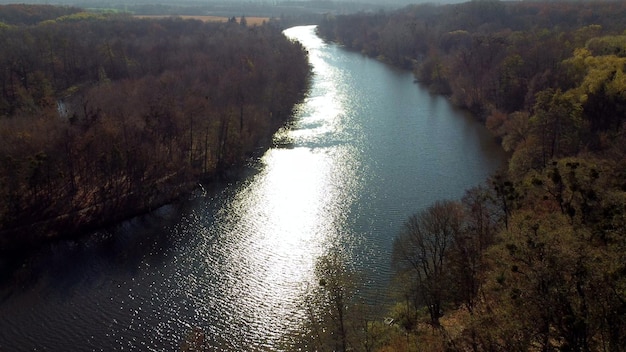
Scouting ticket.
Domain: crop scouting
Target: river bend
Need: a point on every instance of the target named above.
(367, 148)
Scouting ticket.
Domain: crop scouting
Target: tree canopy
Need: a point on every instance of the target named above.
(536, 260)
(104, 115)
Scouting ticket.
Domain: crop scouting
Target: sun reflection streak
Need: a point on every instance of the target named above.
(367, 148)
(280, 221)
(292, 211)
(291, 214)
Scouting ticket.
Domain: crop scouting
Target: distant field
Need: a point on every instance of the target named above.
(252, 21)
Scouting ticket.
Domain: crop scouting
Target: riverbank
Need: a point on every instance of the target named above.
(546, 79)
(141, 128)
(240, 262)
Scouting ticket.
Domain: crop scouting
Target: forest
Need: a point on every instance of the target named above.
(103, 116)
(535, 259)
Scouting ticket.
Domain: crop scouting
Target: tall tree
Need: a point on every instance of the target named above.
(421, 251)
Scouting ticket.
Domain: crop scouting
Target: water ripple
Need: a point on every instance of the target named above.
(366, 149)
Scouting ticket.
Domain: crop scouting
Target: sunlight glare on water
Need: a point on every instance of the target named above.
(292, 211)
(366, 149)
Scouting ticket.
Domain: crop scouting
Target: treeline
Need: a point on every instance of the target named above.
(25, 14)
(534, 260)
(103, 116)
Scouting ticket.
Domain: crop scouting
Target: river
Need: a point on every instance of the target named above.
(367, 148)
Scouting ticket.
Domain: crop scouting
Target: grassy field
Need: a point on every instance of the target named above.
(252, 21)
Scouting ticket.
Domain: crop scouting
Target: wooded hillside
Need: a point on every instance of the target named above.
(536, 260)
(103, 116)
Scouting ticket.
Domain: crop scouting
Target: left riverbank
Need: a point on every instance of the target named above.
(146, 115)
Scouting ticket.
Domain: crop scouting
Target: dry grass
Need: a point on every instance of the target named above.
(252, 21)
(428, 339)
(454, 322)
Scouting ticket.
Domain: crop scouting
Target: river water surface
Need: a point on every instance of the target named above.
(367, 148)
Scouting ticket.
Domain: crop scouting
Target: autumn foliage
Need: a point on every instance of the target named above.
(103, 116)
(535, 261)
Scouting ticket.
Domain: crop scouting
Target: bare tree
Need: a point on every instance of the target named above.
(421, 252)
(338, 286)
(339, 319)
(482, 220)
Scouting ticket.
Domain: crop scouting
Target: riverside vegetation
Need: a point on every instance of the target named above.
(103, 116)
(535, 259)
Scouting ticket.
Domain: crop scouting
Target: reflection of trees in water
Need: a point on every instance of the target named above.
(105, 253)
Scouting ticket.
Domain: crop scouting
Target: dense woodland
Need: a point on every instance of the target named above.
(535, 260)
(103, 115)
(106, 115)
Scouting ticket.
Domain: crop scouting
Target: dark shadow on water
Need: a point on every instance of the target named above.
(60, 266)
(124, 246)
(87, 260)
